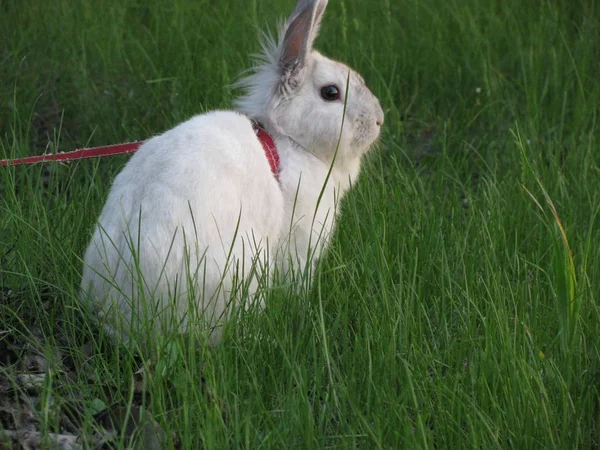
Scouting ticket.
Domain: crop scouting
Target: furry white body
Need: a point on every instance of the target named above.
(213, 205)
(198, 207)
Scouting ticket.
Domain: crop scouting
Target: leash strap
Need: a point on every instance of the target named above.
(82, 153)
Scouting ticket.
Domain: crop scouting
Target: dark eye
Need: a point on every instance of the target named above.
(330, 93)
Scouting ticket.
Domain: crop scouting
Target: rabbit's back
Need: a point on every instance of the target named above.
(191, 207)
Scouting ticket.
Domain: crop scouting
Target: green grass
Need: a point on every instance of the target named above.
(457, 307)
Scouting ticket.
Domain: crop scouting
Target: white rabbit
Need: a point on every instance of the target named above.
(198, 208)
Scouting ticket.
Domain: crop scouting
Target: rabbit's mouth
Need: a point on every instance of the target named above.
(366, 136)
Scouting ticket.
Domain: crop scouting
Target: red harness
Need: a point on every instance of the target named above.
(269, 147)
(120, 149)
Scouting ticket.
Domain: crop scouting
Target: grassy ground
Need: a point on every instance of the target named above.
(457, 307)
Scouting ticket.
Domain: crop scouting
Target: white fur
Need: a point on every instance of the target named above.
(198, 207)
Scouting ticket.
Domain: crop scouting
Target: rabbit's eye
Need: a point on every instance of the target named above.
(330, 93)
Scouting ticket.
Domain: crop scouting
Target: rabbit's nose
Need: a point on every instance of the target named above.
(379, 122)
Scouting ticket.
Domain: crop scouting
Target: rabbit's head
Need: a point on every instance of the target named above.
(297, 92)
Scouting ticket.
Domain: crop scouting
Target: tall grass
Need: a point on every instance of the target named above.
(457, 306)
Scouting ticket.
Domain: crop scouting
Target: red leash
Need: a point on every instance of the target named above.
(82, 153)
(120, 149)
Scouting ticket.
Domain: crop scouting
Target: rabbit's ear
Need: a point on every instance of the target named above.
(302, 30)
